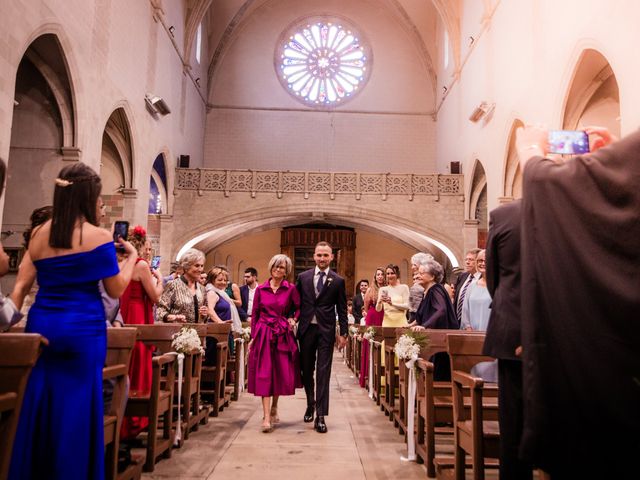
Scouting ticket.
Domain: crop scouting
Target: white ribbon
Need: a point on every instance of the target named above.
(240, 360)
(411, 406)
(178, 437)
(371, 368)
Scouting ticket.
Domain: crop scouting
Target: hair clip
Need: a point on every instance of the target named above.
(61, 182)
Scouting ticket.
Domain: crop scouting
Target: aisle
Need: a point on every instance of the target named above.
(361, 442)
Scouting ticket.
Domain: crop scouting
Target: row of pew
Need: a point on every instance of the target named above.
(204, 390)
(465, 408)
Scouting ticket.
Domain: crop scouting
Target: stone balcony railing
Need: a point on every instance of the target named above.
(307, 183)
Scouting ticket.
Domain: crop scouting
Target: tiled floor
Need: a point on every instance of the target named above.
(361, 443)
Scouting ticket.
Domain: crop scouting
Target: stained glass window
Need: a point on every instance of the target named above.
(323, 62)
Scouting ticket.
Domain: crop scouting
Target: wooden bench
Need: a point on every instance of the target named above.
(378, 367)
(20, 351)
(158, 404)
(388, 402)
(120, 342)
(214, 377)
(238, 366)
(476, 430)
(357, 351)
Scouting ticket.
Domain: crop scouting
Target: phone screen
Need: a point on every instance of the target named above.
(120, 230)
(155, 262)
(568, 142)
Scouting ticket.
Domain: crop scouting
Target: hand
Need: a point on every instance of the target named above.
(519, 351)
(342, 342)
(531, 141)
(468, 328)
(249, 346)
(128, 248)
(204, 312)
(116, 325)
(292, 323)
(604, 137)
(176, 318)
(418, 328)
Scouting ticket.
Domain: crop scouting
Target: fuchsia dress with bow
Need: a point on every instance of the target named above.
(274, 360)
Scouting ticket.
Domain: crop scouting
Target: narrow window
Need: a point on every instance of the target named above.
(199, 43)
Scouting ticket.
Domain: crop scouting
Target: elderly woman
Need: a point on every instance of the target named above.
(274, 365)
(183, 299)
(435, 311)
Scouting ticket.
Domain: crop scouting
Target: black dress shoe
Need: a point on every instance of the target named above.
(308, 415)
(320, 426)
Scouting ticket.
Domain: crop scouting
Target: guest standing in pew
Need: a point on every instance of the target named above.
(503, 332)
(274, 361)
(393, 299)
(136, 307)
(358, 301)
(465, 279)
(60, 431)
(182, 300)
(580, 306)
(475, 316)
(435, 311)
(322, 297)
(373, 318)
(416, 292)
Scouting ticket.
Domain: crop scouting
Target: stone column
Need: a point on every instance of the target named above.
(470, 234)
(166, 243)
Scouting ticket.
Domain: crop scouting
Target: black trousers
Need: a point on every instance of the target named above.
(316, 354)
(510, 414)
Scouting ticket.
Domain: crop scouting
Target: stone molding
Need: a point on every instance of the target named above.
(307, 183)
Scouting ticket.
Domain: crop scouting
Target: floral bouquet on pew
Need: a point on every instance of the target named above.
(353, 331)
(369, 334)
(409, 344)
(186, 341)
(246, 334)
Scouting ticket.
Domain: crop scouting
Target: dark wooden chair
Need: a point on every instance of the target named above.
(476, 430)
(20, 351)
(388, 401)
(158, 404)
(214, 378)
(120, 342)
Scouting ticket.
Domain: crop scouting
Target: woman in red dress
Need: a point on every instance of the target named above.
(372, 319)
(136, 306)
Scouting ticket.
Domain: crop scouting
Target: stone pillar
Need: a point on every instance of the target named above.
(166, 250)
(129, 196)
(470, 234)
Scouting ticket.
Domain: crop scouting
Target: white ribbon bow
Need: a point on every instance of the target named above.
(411, 406)
(240, 359)
(371, 368)
(178, 437)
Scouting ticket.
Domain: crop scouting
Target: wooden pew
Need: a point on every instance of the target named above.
(388, 402)
(378, 368)
(348, 351)
(20, 351)
(158, 404)
(357, 351)
(120, 342)
(476, 431)
(214, 378)
(238, 366)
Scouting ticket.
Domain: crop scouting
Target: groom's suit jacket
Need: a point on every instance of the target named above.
(332, 300)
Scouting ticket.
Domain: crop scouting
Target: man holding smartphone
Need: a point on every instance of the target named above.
(580, 299)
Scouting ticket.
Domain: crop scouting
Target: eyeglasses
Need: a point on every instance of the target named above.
(480, 261)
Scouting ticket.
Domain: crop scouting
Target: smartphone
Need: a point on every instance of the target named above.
(120, 230)
(155, 262)
(568, 142)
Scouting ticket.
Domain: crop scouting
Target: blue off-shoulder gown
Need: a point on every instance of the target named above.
(60, 432)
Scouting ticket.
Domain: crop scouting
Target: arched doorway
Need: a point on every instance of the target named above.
(43, 136)
(593, 98)
(116, 167)
(158, 201)
(478, 212)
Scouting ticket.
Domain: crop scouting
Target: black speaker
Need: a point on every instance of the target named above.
(183, 161)
(455, 168)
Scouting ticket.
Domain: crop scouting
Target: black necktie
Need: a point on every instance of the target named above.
(320, 283)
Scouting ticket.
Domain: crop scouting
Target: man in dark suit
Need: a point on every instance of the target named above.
(247, 291)
(464, 280)
(503, 332)
(322, 296)
(358, 299)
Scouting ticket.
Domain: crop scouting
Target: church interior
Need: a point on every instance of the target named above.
(248, 128)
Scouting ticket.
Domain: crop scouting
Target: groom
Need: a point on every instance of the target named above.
(322, 296)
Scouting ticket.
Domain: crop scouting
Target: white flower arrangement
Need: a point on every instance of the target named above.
(369, 333)
(246, 334)
(186, 341)
(408, 347)
(353, 331)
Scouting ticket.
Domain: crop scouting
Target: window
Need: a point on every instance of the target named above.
(445, 53)
(322, 62)
(199, 43)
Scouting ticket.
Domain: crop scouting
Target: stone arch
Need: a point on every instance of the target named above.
(117, 147)
(592, 95)
(512, 174)
(43, 132)
(478, 205)
(195, 15)
(160, 178)
(208, 236)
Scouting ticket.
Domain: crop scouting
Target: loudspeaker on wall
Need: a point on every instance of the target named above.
(455, 168)
(183, 161)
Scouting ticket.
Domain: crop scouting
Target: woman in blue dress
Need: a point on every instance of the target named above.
(60, 431)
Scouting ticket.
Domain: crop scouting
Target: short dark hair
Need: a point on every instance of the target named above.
(75, 196)
(251, 271)
(37, 218)
(3, 174)
(364, 280)
(323, 244)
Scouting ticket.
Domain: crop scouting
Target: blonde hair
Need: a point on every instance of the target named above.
(215, 272)
(278, 259)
